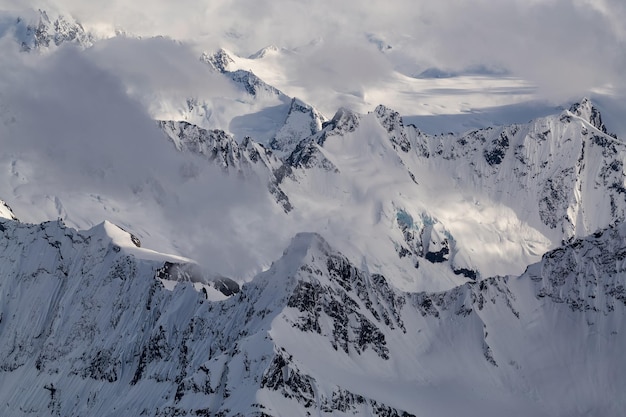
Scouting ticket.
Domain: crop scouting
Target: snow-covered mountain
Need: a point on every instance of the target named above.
(420, 206)
(429, 210)
(93, 325)
(41, 30)
(475, 272)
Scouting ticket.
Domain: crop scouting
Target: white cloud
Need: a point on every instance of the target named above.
(76, 145)
(159, 70)
(565, 46)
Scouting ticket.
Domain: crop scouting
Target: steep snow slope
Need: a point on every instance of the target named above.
(194, 90)
(487, 202)
(313, 334)
(6, 212)
(301, 122)
(563, 171)
(429, 212)
(397, 302)
(275, 118)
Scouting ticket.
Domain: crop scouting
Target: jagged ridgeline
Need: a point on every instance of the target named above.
(551, 180)
(42, 30)
(411, 296)
(93, 325)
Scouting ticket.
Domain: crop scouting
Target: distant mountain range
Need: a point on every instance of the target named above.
(478, 273)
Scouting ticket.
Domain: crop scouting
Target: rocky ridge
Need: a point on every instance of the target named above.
(112, 327)
(47, 30)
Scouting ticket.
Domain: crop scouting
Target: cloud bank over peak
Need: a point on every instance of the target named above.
(563, 46)
(84, 118)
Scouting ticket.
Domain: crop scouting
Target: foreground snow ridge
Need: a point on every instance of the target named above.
(88, 328)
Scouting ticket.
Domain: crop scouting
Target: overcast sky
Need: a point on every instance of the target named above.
(561, 45)
(76, 145)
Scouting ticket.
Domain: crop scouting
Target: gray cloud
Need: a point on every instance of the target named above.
(76, 145)
(333, 73)
(69, 111)
(158, 64)
(159, 71)
(566, 47)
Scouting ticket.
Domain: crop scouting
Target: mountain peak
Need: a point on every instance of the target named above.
(299, 105)
(263, 52)
(381, 109)
(389, 118)
(6, 212)
(252, 83)
(118, 235)
(344, 120)
(220, 61)
(44, 31)
(302, 121)
(589, 113)
(306, 250)
(304, 243)
(392, 122)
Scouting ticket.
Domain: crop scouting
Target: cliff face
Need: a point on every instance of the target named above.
(93, 325)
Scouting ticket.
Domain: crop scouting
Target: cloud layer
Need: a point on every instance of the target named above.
(76, 145)
(563, 46)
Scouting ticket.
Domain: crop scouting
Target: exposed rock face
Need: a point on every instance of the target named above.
(91, 323)
(302, 121)
(588, 112)
(308, 155)
(252, 84)
(110, 321)
(87, 328)
(584, 275)
(556, 169)
(220, 61)
(45, 32)
(392, 122)
(560, 175)
(248, 159)
(247, 80)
